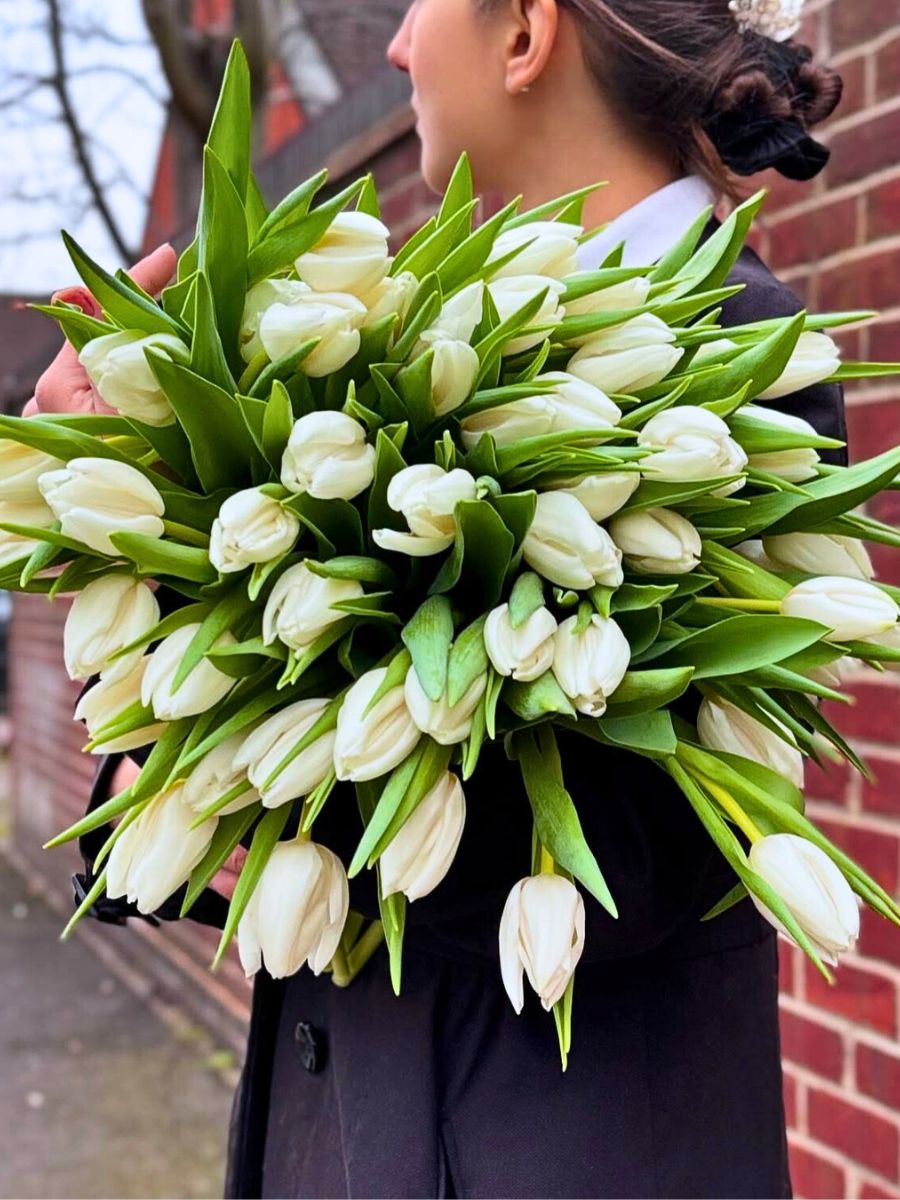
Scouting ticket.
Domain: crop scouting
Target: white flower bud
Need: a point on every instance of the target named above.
(820, 553)
(628, 357)
(118, 368)
(461, 313)
(553, 249)
(602, 495)
(371, 744)
(38, 515)
(721, 725)
(691, 444)
(392, 295)
(258, 301)
(95, 497)
(265, 748)
(427, 497)
(299, 607)
(454, 369)
(589, 666)
(542, 935)
(327, 456)
(573, 404)
(524, 653)
(657, 541)
(204, 687)
(795, 466)
(422, 851)
(567, 547)
(334, 318)
(620, 297)
(352, 256)
(117, 689)
(445, 723)
(106, 616)
(815, 358)
(251, 528)
(509, 295)
(296, 914)
(20, 469)
(217, 774)
(850, 608)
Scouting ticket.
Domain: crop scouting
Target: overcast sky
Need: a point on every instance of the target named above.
(118, 91)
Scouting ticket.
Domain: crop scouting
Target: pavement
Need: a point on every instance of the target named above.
(99, 1097)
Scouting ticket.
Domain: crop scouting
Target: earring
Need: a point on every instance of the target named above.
(526, 87)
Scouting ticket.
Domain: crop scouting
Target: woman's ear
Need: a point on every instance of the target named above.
(533, 28)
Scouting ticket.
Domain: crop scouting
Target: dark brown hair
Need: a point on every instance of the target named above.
(727, 103)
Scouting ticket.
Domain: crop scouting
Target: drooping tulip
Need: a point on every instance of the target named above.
(369, 744)
(657, 541)
(541, 935)
(524, 653)
(691, 443)
(217, 774)
(427, 497)
(816, 553)
(602, 494)
(567, 547)
(816, 357)
(850, 608)
(251, 528)
(447, 724)
(20, 469)
(721, 725)
(351, 256)
(328, 457)
(589, 665)
(117, 689)
(334, 318)
(628, 357)
(300, 606)
(204, 687)
(422, 851)
(118, 368)
(548, 248)
(266, 747)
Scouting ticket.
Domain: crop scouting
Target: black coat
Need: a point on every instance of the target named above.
(674, 1081)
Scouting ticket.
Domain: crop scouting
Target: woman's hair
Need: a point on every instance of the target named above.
(726, 102)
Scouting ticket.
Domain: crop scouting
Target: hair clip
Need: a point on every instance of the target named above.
(775, 19)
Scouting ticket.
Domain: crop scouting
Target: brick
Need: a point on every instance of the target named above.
(874, 715)
(887, 68)
(864, 148)
(858, 993)
(876, 852)
(874, 1191)
(860, 21)
(791, 1088)
(789, 966)
(828, 782)
(879, 938)
(854, 98)
(878, 1075)
(811, 1044)
(866, 282)
(882, 793)
(884, 340)
(883, 203)
(861, 1135)
(815, 235)
(814, 1178)
(886, 561)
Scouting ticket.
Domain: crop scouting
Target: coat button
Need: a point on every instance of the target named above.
(311, 1045)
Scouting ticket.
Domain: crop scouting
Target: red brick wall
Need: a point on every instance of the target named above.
(837, 242)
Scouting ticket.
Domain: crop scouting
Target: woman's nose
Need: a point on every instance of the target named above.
(398, 50)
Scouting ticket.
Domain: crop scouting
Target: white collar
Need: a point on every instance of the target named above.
(652, 226)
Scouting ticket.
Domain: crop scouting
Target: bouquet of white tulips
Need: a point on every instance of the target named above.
(404, 506)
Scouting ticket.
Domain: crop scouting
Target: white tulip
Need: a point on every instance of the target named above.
(217, 774)
(204, 687)
(392, 295)
(553, 249)
(334, 318)
(422, 851)
(118, 368)
(796, 466)
(524, 653)
(447, 724)
(117, 689)
(754, 552)
(620, 297)
(820, 553)
(427, 497)
(657, 541)
(815, 358)
(20, 469)
(890, 638)
(95, 497)
(691, 443)
(714, 352)
(251, 528)
(721, 725)
(158, 851)
(297, 912)
(106, 616)
(542, 935)
(461, 313)
(299, 607)
(530, 417)
(567, 547)
(602, 495)
(369, 744)
(37, 514)
(352, 256)
(850, 608)
(589, 666)
(628, 357)
(258, 301)
(572, 405)
(509, 295)
(264, 749)
(327, 457)
(454, 369)
(813, 888)
(579, 405)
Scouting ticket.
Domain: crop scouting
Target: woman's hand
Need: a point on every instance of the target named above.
(65, 386)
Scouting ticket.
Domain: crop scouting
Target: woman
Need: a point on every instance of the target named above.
(674, 1083)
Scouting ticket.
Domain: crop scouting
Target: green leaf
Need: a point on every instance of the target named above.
(526, 597)
(277, 425)
(355, 566)
(481, 554)
(293, 207)
(646, 691)
(283, 368)
(278, 247)
(537, 699)
(389, 802)
(335, 524)
(229, 831)
(77, 326)
(388, 461)
(427, 636)
(428, 256)
(265, 839)
(207, 355)
(230, 131)
(222, 251)
(680, 254)
(459, 190)
(220, 620)
(468, 661)
(470, 256)
(729, 900)
(517, 510)
(742, 643)
(154, 556)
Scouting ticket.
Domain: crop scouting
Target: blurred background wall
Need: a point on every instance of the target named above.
(325, 97)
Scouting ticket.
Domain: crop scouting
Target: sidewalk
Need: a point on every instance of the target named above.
(98, 1097)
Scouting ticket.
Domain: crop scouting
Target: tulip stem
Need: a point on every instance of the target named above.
(760, 606)
(346, 965)
(184, 533)
(734, 810)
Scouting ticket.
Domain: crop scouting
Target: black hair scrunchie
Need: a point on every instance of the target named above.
(749, 146)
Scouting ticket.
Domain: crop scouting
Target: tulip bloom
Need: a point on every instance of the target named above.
(565, 546)
(427, 497)
(327, 457)
(461, 313)
(118, 368)
(814, 889)
(723, 726)
(20, 469)
(352, 255)
(524, 653)
(392, 295)
(850, 608)
(297, 912)
(299, 607)
(553, 249)
(204, 687)
(454, 369)
(215, 775)
(589, 666)
(816, 553)
(95, 497)
(573, 405)
(251, 528)
(816, 357)
(620, 297)
(258, 301)
(332, 317)
(106, 616)
(158, 851)
(369, 744)
(17, 512)
(445, 723)
(509, 295)
(691, 444)
(117, 689)
(542, 935)
(422, 851)
(628, 357)
(657, 541)
(264, 749)
(602, 495)
(796, 466)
